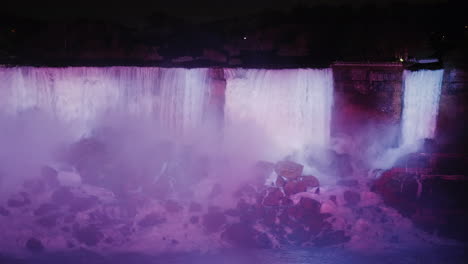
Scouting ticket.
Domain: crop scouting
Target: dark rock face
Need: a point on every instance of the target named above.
(213, 221)
(34, 245)
(352, 198)
(89, 235)
(151, 219)
(4, 211)
(288, 169)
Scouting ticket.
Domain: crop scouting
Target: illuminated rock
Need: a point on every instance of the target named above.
(288, 169)
(273, 197)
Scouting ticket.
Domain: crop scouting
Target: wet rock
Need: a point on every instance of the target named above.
(19, 200)
(151, 219)
(243, 235)
(194, 219)
(332, 238)
(293, 187)
(45, 208)
(4, 211)
(195, 207)
(273, 197)
(34, 245)
(310, 205)
(352, 198)
(172, 206)
(280, 182)
(62, 196)
(286, 202)
(288, 169)
(309, 181)
(213, 221)
(88, 235)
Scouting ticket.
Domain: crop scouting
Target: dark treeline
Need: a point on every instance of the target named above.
(303, 36)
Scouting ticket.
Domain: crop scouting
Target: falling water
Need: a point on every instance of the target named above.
(421, 105)
(81, 95)
(291, 107)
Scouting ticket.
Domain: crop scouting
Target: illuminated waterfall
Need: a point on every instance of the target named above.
(291, 107)
(80, 95)
(421, 105)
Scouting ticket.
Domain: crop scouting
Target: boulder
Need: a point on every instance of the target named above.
(288, 169)
(280, 182)
(309, 181)
(273, 197)
(293, 187)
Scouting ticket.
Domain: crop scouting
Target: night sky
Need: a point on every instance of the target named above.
(191, 10)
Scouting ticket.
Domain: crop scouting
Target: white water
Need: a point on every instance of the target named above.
(79, 96)
(292, 108)
(420, 105)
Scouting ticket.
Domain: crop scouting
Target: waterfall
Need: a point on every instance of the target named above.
(175, 98)
(420, 105)
(291, 107)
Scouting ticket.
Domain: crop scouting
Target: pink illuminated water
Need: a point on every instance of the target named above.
(292, 108)
(81, 95)
(421, 105)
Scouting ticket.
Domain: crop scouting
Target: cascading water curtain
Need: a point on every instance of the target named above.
(420, 105)
(81, 95)
(291, 107)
